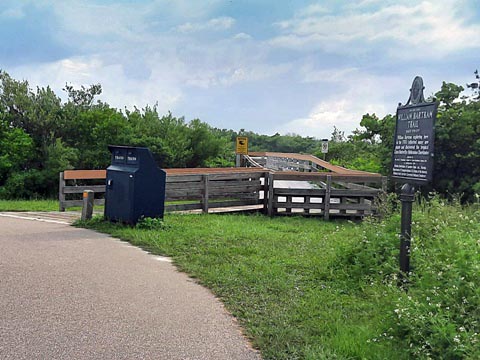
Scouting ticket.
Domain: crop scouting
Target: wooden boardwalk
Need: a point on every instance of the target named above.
(334, 189)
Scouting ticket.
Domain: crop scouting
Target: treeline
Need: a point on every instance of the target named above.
(40, 136)
(457, 144)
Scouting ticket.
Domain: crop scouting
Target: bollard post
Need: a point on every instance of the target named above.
(407, 196)
(87, 209)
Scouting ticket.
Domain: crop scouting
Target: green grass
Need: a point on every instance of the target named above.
(308, 289)
(28, 205)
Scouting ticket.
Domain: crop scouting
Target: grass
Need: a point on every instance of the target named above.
(308, 289)
(303, 288)
(28, 205)
(274, 275)
(37, 205)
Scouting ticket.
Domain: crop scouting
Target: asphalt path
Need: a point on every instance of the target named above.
(68, 293)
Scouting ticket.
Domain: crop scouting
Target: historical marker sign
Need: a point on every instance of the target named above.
(412, 159)
(414, 136)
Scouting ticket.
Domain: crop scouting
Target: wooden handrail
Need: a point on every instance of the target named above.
(84, 174)
(315, 160)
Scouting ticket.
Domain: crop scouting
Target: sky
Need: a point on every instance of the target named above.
(292, 67)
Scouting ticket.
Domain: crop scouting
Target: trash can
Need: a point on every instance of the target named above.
(135, 186)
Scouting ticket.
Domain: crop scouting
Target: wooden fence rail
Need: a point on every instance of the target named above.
(335, 195)
(209, 189)
(184, 190)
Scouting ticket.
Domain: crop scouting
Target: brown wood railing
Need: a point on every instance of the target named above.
(334, 195)
(191, 188)
(350, 195)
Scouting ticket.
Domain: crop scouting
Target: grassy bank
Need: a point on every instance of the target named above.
(308, 289)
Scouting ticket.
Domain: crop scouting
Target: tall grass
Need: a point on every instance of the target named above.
(309, 289)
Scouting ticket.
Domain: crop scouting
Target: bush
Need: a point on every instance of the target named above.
(30, 184)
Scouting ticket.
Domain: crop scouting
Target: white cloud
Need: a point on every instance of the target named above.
(313, 9)
(254, 72)
(217, 24)
(344, 113)
(242, 36)
(118, 89)
(347, 102)
(12, 13)
(434, 28)
(228, 76)
(311, 75)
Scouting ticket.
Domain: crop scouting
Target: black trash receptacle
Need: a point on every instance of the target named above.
(135, 186)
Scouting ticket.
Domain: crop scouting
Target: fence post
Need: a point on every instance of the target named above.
(270, 194)
(265, 192)
(326, 214)
(384, 183)
(205, 182)
(87, 208)
(61, 194)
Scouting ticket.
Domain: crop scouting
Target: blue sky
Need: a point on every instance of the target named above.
(268, 66)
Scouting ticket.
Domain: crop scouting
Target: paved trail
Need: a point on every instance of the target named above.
(68, 293)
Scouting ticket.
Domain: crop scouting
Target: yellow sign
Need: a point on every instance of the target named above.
(242, 145)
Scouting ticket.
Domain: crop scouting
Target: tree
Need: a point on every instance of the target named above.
(475, 86)
(16, 147)
(83, 97)
(457, 144)
(204, 145)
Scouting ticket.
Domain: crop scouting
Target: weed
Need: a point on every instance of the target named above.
(148, 223)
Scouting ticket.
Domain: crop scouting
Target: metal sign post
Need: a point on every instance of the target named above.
(412, 159)
(407, 196)
(241, 148)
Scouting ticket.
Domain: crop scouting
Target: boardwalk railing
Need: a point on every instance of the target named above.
(300, 163)
(73, 183)
(186, 189)
(208, 189)
(330, 195)
(216, 188)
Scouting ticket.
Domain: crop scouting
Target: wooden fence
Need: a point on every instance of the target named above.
(185, 189)
(209, 189)
(333, 195)
(73, 183)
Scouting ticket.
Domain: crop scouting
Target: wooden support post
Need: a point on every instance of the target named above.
(87, 209)
(326, 214)
(265, 192)
(61, 194)
(384, 183)
(205, 182)
(288, 204)
(343, 200)
(361, 200)
(306, 202)
(270, 194)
